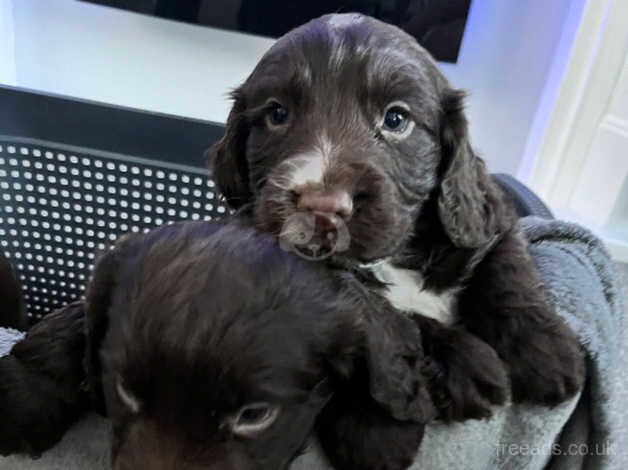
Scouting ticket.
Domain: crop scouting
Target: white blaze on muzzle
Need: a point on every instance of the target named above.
(308, 168)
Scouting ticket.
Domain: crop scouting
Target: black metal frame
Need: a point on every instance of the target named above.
(87, 124)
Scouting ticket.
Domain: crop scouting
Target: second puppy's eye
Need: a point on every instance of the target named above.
(396, 119)
(254, 414)
(253, 419)
(277, 115)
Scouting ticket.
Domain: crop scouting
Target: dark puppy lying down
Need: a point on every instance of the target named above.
(211, 347)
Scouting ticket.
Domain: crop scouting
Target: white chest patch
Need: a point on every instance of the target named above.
(404, 290)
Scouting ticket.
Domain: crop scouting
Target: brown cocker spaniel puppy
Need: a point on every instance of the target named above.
(349, 120)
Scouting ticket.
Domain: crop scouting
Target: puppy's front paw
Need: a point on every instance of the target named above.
(466, 376)
(548, 368)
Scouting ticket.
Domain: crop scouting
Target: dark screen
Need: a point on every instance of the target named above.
(437, 24)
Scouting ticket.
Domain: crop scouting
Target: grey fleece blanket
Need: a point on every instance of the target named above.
(588, 432)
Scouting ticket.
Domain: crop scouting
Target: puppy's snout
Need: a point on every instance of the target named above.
(336, 202)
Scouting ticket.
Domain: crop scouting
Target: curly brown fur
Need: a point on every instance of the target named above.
(507, 305)
(41, 393)
(357, 432)
(204, 319)
(421, 200)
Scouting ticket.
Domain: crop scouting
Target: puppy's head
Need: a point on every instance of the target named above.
(349, 119)
(217, 353)
(220, 349)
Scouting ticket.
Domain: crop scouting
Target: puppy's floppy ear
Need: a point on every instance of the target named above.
(469, 201)
(380, 405)
(227, 157)
(394, 360)
(386, 364)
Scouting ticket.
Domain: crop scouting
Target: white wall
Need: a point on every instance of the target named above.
(581, 166)
(88, 51)
(506, 58)
(82, 50)
(7, 44)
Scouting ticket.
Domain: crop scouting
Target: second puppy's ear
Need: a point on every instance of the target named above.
(377, 415)
(385, 363)
(227, 157)
(394, 359)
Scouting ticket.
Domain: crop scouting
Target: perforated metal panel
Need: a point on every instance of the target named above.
(61, 205)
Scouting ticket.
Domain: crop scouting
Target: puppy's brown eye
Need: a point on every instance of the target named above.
(253, 414)
(253, 419)
(396, 119)
(278, 115)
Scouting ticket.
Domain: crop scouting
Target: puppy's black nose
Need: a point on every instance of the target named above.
(332, 201)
